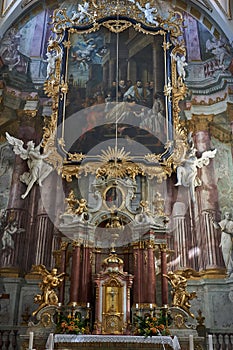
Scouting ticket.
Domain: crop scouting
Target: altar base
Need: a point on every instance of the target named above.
(91, 342)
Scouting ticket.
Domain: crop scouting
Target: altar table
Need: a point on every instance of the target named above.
(71, 341)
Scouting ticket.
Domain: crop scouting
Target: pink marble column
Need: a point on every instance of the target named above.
(151, 290)
(137, 275)
(63, 251)
(207, 201)
(164, 283)
(85, 291)
(75, 272)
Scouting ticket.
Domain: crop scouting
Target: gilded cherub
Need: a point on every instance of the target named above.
(71, 203)
(82, 208)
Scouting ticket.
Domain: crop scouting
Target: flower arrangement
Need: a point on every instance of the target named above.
(71, 324)
(151, 325)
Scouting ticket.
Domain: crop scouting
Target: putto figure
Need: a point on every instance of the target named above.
(38, 168)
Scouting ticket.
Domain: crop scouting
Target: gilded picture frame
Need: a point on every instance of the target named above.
(100, 41)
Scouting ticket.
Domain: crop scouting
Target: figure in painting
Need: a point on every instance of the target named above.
(50, 281)
(138, 92)
(38, 168)
(226, 226)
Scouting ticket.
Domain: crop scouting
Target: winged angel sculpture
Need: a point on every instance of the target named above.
(50, 281)
(38, 168)
(187, 171)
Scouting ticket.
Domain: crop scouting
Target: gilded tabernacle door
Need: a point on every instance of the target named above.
(116, 74)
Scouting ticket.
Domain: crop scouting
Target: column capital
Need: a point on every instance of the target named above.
(163, 247)
(200, 122)
(76, 243)
(64, 245)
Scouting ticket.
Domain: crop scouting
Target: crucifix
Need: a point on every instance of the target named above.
(113, 293)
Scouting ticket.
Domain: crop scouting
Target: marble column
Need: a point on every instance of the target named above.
(18, 208)
(151, 290)
(62, 268)
(85, 291)
(137, 274)
(164, 283)
(207, 199)
(75, 272)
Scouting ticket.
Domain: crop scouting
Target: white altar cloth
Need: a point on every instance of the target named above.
(73, 338)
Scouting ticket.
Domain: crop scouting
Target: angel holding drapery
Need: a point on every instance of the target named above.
(187, 171)
(38, 168)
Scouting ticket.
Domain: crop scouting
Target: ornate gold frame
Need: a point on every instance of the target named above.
(117, 16)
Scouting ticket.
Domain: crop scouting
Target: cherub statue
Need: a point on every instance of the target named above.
(158, 204)
(10, 229)
(38, 168)
(82, 208)
(82, 12)
(51, 60)
(50, 281)
(71, 203)
(180, 64)
(187, 171)
(148, 12)
(180, 296)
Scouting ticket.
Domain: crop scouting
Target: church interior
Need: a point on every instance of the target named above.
(116, 174)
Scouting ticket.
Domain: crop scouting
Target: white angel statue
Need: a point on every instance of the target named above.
(82, 12)
(38, 168)
(148, 12)
(180, 64)
(51, 60)
(187, 171)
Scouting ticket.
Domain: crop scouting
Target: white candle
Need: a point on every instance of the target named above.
(88, 304)
(191, 345)
(30, 345)
(136, 306)
(50, 342)
(210, 341)
(150, 306)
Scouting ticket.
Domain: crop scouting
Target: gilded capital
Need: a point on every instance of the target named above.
(200, 122)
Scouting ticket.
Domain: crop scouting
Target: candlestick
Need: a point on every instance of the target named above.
(30, 345)
(50, 342)
(191, 344)
(210, 341)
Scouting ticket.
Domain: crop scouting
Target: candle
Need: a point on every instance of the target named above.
(210, 341)
(88, 304)
(150, 306)
(136, 306)
(191, 344)
(30, 345)
(50, 342)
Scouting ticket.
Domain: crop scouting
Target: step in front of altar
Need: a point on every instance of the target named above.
(111, 342)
